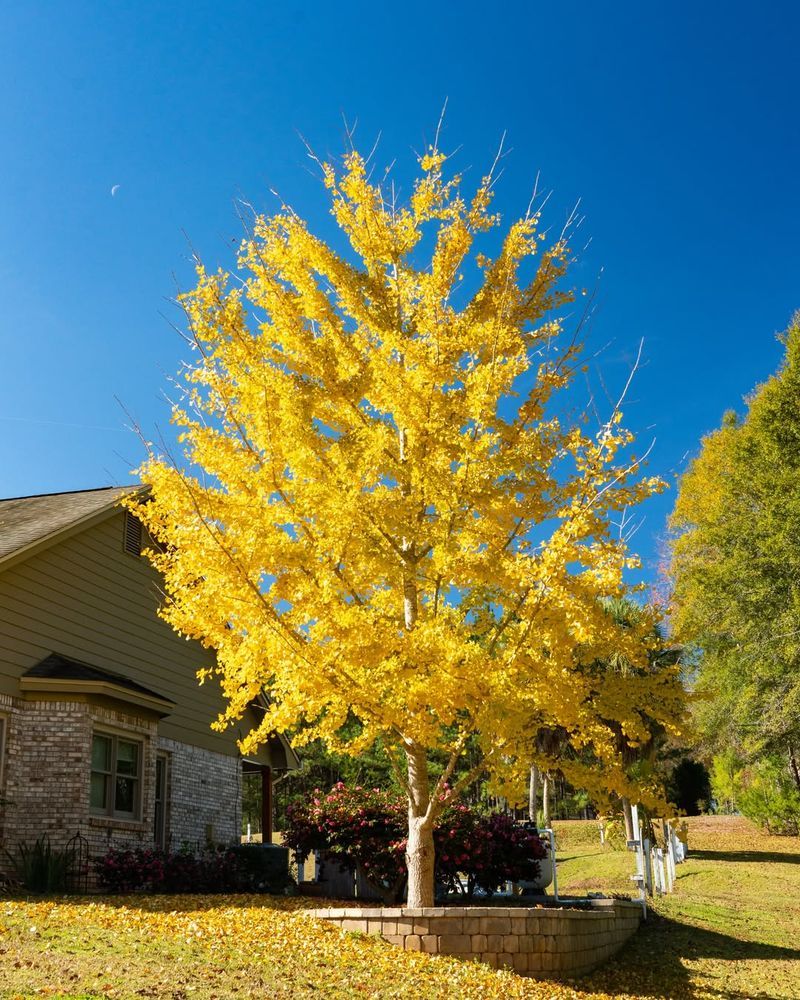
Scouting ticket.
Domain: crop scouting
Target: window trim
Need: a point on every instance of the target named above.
(109, 811)
(162, 757)
(4, 720)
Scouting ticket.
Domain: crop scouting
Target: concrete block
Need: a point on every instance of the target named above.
(430, 943)
(495, 925)
(479, 943)
(455, 944)
(354, 926)
(447, 925)
(413, 942)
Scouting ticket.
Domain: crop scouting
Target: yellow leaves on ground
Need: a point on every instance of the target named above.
(729, 930)
(205, 947)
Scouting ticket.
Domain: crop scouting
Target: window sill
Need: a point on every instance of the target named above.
(111, 822)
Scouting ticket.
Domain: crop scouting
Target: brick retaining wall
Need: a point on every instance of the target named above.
(542, 942)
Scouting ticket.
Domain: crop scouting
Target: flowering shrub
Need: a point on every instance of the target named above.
(486, 851)
(212, 870)
(359, 828)
(364, 829)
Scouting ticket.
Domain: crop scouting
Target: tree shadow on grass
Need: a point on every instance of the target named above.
(764, 857)
(652, 963)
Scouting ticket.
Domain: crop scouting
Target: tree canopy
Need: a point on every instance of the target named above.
(736, 571)
(382, 517)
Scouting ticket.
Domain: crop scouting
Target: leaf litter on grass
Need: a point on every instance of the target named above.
(728, 932)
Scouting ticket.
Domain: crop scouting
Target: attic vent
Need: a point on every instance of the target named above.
(132, 541)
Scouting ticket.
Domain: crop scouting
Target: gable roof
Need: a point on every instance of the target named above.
(58, 673)
(34, 521)
(57, 667)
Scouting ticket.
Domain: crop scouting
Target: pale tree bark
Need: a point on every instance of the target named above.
(419, 849)
(627, 812)
(533, 793)
(546, 800)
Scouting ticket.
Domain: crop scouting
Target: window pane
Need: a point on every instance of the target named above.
(125, 798)
(101, 753)
(127, 758)
(98, 795)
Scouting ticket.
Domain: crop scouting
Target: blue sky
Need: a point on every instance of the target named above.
(676, 125)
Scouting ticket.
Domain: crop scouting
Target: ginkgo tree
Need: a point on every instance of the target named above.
(380, 521)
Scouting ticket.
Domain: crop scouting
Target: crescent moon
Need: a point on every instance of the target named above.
(114, 189)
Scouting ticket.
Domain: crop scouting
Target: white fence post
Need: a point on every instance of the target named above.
(552, 838)
(636, 846)
(648, 866)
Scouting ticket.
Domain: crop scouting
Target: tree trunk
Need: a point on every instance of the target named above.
(533, 794)
(420, 861)
(630, 833)
(419, 849)
(793, 767)
(546, 801)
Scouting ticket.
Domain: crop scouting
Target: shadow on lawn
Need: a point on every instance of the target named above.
(764, 857)
(652, 963)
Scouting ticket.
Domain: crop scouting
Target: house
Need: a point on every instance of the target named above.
(104, 728)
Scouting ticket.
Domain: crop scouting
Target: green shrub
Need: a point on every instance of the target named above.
(762, 791)
(41, 868)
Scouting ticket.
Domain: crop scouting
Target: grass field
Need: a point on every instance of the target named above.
(730, 931)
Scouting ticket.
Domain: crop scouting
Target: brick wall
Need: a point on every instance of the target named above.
(46, 781)
(541, 942)
(205, 795)
(46, 770)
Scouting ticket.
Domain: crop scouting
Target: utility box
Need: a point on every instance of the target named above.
(265, 867)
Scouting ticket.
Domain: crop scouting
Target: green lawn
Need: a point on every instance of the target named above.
(731, 930)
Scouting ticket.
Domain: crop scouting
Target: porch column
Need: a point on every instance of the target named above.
(266, 804)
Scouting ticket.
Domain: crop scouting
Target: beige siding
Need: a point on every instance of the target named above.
(87, 599)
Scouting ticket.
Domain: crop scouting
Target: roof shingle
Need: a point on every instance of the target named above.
(25, 520)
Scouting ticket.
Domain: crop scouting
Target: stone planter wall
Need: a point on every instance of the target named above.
(545, 942)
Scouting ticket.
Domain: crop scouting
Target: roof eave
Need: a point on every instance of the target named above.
(66, 685)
